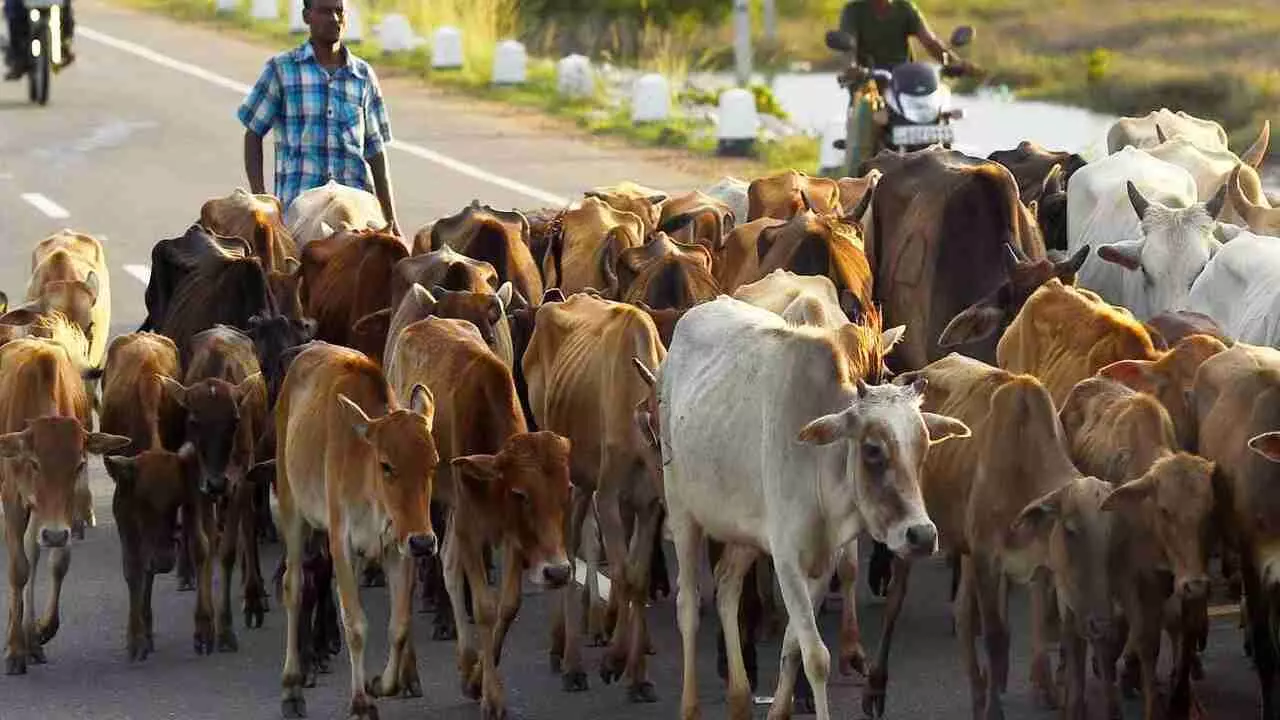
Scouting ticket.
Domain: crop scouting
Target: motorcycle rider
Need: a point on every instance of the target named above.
(17, 56)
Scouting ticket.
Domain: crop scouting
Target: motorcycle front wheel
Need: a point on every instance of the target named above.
(38, 75)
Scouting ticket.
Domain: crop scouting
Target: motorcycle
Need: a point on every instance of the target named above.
(910, 105)
(44, 46)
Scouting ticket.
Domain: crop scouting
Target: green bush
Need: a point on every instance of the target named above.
(660, 12)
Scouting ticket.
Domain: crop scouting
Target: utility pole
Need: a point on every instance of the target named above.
(742, 40)
(770, 21)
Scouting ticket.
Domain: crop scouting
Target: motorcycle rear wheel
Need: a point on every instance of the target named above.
(38, 75)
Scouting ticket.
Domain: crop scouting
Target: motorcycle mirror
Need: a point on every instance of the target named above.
(961, 36)
(841, 41)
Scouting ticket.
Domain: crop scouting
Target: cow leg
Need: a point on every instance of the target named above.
(637, 576)
(202, 525)
(31, 546)
(1188, 625)
(16, 522)
(445, 624)
(995, 632)
(255, 590)
(566, 636)
(228, 542)
(687, 537)
(1042, 682)
(492, 695)
(873, 698)
(186, 551)
(354, 622)
(399, 640)
(147, 617)
(1259, 635)
(966, 615)
(509, 599)
(1146, 629)
(292, 703)
(136, 582)
(454, 579)
(47, 628)
(852, 657)
(880, 569)
(84, 514)
(729, 572)
(614, 533)
(800, 596)
(1074, 647)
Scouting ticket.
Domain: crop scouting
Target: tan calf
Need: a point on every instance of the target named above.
(70, 269)
(43, 448)
(353, 462)
(505, 488)
(134, 403)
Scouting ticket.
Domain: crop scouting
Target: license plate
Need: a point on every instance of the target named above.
(923, 134)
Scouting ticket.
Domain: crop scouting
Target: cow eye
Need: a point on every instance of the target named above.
(873, 454)
(387, 470)
(520, 495)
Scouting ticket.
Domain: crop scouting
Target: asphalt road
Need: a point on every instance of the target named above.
(139, 133)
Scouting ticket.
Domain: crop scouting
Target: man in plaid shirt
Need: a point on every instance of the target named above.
(328, 114)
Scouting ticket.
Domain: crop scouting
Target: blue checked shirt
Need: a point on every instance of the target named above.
(327, 124)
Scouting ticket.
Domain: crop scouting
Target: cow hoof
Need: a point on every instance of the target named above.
(227, 642)
(186, 585)
(642, 693)
(444, 632)
(471, 688)
(574, 681)
(873, 697)
(15, 666)
(492, 711)
(46, 631)
(291, 708)
(138, 652)
(203, 645)
(35, 656)
(556, 662)
(611, 668)
(412, 688)
(311, 677)
(853, 663)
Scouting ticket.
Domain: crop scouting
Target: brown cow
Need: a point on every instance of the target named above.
(223, 398)
(43, 418)
(445, 267)
(220, 290)
(173, 259)
(346, 276)
(939, 222)
(134, 403)
(1032, 167)
(353, 462)
(506, 488)
(1000, 502)
(1237, 395)
(1170, 327)
(739, 257)
(781, 196)
(256, 219)
(1164, 503)
(70, 269)
(582, 385)
(645, 203)
(583, 251)
(666, 274)
(498, 238)
(697, 218)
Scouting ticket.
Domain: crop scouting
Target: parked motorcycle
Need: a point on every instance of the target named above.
(909, 104)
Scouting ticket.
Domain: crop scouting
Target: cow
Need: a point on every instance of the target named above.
(345, 277)
(731, 191)
(1250, 204)
(173, 259)
(320, 211)
(223, 400)
(939, 224)
(1165, 236)
(445, 267)
(505, 487)
(1163, 503)
(1032, 165)
(1146, 131)
(498, 238)
(781, 196)
(855, 192)
(256, 219)
(992, 315)
(644, 202)
(219, 290)
(1170, 327)
(697, 218)
(733, 451)
(1003, 502)
(44, 441)
(1238, 289)
(134, 403)
(739, 257)
(665, 275)
(1211, 167)
(354, 463)
(582, 386)
(1237, 393)
(70, 270)
(585, 245)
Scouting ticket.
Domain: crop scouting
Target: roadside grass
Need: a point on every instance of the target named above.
(485, 22)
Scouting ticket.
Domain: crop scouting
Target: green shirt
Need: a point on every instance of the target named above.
(882, 39)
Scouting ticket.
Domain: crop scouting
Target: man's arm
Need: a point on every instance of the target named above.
(382, 188)
(930, 41)
(253, 161)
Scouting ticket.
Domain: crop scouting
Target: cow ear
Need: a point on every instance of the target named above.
(942, 427)
(4, 303)
(891, 337)
(974, 323)
(355, 415)
(102, 443)
(1131, 493)
(1139, 375)
(1267, 445)
(291, 265)
(1126, 253)
(309, 327)
(372, 323)
(504, 294)
(1037, 518)
(482, 468)
(121, 468)
(13, 444)
(495, 309)
(552, 295)
(826, 429)
(91, 284)
(422, 295)
(325, 229)
(174, 389)
(423, 402)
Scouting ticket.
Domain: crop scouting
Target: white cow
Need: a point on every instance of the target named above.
(321, 211)
(732, 192)
(1211, 167)
(1140, 132)
(1150, 241)
(763, 434)
(1240, 289)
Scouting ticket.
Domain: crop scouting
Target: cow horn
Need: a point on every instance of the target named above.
(804, 197)
(1052, 181)
(1139, 202)
(645, 373)
(1161, 138)
(1011, 259)
(1257, 152)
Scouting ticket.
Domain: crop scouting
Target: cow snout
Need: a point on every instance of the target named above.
(54, 538)
(556, 575)
(1194, 588)
(922, 539)
(422, 545)
(213, 485)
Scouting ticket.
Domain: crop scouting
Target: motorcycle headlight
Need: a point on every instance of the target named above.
(919, 110)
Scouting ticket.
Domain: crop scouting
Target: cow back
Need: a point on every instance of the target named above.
(221, 290)
(134, 403)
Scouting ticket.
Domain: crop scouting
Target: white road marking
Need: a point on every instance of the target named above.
(580, 577)
(46, 206)
(141, 272)
(416, 150)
